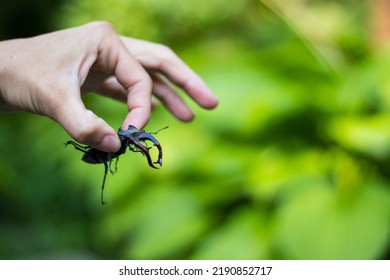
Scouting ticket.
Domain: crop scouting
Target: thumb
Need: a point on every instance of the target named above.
(85, 127)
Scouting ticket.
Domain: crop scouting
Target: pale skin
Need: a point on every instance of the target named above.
(48, 74)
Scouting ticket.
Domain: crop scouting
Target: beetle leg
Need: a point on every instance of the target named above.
(104, 181)
(88, 156)
(109, 159)
(134, 149)
(116, 164)
(146, 136)
(77, 146)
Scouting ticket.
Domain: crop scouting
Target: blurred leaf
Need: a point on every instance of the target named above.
(241, 237)
(369, 135)
(161, 213)
(316, 224)
(292, 164)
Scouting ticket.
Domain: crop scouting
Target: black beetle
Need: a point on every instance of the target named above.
(131, 138)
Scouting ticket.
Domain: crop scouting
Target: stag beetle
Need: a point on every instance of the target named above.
(131, 138)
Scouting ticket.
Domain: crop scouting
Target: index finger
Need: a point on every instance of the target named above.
(162, 59)
(138, 84)
(115, 58)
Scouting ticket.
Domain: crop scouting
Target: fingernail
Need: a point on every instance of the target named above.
(110, 143)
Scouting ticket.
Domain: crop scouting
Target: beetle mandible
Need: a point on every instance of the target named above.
(130, 138)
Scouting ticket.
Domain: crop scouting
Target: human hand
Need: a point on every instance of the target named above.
(47, 75)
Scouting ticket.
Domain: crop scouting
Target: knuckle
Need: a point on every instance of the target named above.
(166, 52)
(102, 27)
(166, 55)
(164, 48)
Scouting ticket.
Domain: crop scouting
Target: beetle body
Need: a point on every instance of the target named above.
(131, 138)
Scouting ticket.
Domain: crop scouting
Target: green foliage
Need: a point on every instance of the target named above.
(153, 19)
(291, 165)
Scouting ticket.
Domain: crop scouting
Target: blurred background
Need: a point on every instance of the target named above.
(293, 164)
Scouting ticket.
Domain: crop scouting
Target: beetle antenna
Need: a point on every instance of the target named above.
(165, 127)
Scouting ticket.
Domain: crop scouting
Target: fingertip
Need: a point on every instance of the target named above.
(109, 143)
(201, 93)
(87, 128)
(188, 118)
(211, 102)
(182, 112)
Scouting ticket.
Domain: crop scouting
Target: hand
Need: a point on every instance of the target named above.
(47, 75)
